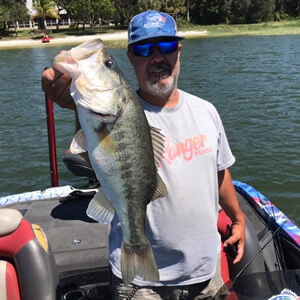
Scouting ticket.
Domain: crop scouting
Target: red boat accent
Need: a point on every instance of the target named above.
(12, 287)
(223, 222)
(26, 269)
(51, 141)
(11, 244)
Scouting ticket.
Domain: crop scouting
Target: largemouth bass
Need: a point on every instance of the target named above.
(123, 150)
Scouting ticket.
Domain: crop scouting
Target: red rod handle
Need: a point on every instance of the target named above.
(51, 141)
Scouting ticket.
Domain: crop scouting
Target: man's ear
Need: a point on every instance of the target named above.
(179, 49)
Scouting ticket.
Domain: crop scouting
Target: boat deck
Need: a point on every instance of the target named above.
(77, 241)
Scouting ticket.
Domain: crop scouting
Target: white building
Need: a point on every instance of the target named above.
(48, 22)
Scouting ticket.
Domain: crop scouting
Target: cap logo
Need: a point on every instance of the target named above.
(155, 21)
(152, 24)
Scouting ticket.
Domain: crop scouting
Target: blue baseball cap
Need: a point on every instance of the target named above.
(152, 24)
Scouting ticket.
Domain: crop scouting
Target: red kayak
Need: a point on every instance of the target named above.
(46, 39)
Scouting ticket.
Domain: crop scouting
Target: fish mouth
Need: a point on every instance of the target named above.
(106, 118)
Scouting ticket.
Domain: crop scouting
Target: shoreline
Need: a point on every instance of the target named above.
(118, 39)
(118, 36)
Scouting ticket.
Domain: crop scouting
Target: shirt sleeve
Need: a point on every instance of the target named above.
(225, 158)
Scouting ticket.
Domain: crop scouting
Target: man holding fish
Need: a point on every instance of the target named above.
(161, 185)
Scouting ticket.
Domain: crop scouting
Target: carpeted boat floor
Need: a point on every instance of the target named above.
(77, 241)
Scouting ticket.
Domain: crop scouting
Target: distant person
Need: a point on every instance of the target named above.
(46, 38)
(182, 228)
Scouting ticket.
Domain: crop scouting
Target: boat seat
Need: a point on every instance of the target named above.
(10, 220)
(79, 165)
(9, 288)
(26, 259)
(223, 222)
(251, 250)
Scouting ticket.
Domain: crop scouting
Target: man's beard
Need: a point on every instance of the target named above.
(158, 88)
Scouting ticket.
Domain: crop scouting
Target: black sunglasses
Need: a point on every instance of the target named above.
(147, 49)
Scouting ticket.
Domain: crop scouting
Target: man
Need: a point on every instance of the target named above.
(182, 228)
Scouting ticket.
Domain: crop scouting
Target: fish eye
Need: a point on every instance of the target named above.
(109, 63)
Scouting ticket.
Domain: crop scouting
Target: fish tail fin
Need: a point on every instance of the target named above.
(138, 260)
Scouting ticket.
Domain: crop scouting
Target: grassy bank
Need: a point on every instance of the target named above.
(270, 28)
(28, 33)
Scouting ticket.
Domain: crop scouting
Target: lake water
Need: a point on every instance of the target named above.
(253, 81)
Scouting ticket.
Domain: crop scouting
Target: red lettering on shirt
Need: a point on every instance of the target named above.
(187, 149)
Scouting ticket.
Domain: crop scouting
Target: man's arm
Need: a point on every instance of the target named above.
(229, 202)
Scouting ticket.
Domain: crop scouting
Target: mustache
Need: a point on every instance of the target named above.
(158, 67)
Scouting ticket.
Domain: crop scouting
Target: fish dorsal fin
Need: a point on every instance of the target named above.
(158, 144)
(160, 190)
(78, 144)
(100, 209)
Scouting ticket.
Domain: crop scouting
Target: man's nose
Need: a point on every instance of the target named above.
(157, 56)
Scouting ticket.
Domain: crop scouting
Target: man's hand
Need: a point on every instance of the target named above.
(56, 85)
(234, 245)
(229, 202)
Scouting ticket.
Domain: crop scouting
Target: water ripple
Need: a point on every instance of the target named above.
(253, 82)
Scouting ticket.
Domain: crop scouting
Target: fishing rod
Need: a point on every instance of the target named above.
(277, 243)
(51, 140)
(262, 248)
(268, 215)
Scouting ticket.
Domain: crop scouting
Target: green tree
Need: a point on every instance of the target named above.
(80, 10)
(125, 10)
(103, 9)
(3, 19)
(260, 11)
(239, 11)
(45, 8)
(144, 5)
(12, 11)
(90, 10)
(175, 7)
(293, 8)
(208, 12)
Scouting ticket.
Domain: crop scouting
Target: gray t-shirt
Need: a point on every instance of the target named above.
(182, 227)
